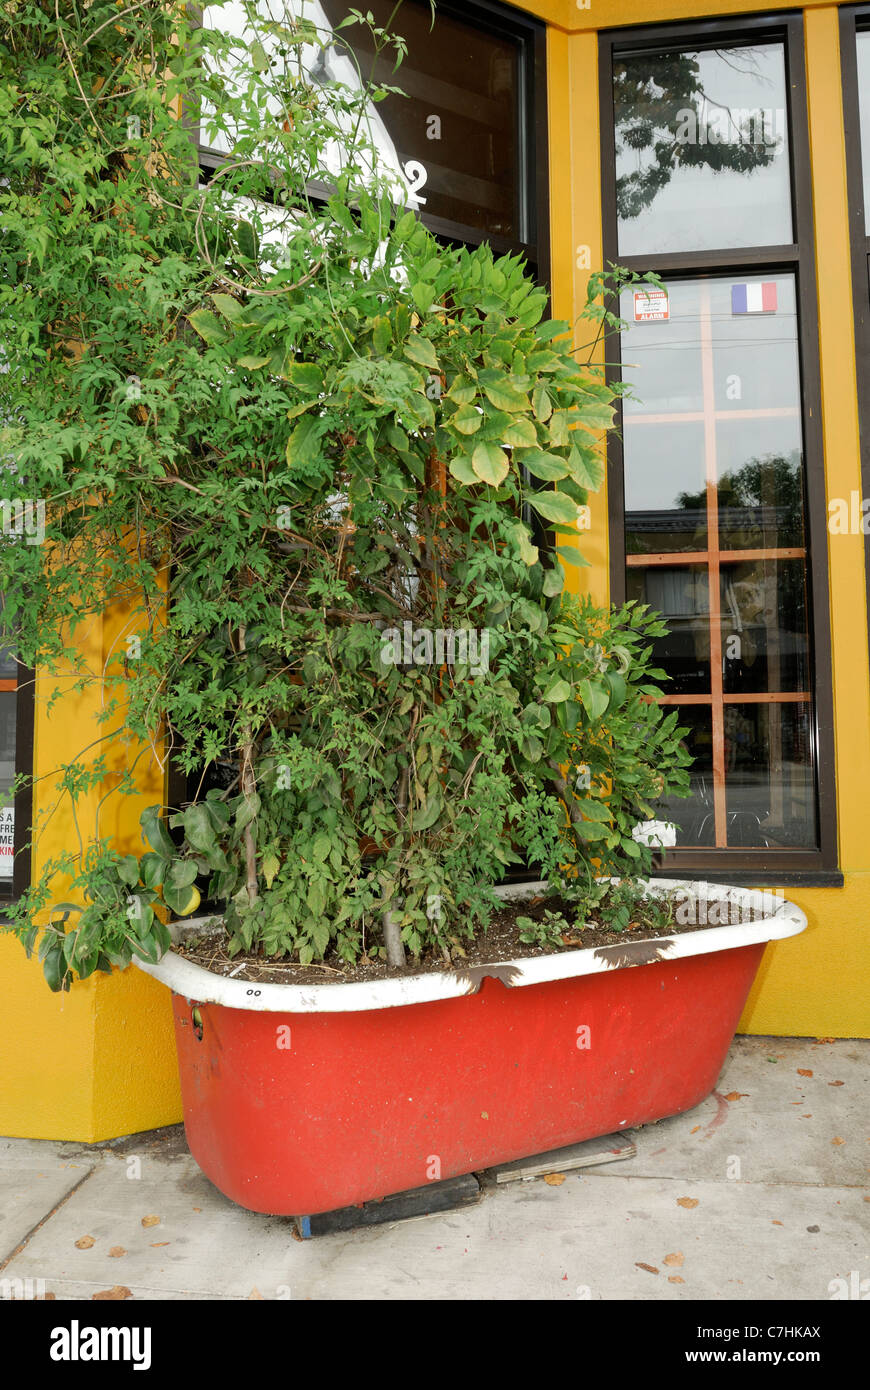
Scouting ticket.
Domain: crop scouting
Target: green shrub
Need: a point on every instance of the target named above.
(298, 440)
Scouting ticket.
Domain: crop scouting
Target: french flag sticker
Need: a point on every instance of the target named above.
(754, 299)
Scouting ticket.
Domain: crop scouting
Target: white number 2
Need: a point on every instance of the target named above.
(416, 174)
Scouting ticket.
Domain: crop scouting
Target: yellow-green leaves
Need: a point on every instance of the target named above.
(421, 351)
(502, 392)
(303, 446)
(468, 419)
(520, 434)
(182, 901)
(306, 376)
(523, 539)
(462, 471)
(404, 227)
(542, 404)
(208, 326)
(595, 416)
(585, 467)
(423, 295)
(555, 506)
(547, 467)
(558, 691)
(462, 391)
(259, 57)
(382, 334)
(490, 463)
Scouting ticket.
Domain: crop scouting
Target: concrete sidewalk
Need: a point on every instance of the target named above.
(761, 1192)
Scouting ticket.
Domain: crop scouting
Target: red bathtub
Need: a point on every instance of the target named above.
(303, 1099)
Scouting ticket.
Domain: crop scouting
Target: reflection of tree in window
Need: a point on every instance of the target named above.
(661, 109)
(761, 503)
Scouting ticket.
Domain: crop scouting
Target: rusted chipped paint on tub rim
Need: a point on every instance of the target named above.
(781, 919)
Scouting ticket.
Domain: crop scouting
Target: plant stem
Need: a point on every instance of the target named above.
(249, 786)
(393, 939)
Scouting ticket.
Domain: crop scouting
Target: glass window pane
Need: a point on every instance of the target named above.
(454, 124)
(765, 640)
(769, 775)
(680, 594)
(693, 815)
(714, 464)
(8, 664)
(7, 774)
(665, 510)
(702, 149)
(864, 108)
(7, 739)
(459, 116)
(716, 397)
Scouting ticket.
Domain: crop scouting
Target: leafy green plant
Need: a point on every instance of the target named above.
(313, 456)
(625, 904)
(548, 932)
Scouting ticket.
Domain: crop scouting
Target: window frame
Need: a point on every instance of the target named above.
(11, 889)
(854, 19)
(745, 864)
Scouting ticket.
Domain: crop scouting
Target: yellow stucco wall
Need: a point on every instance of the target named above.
(100, 1061)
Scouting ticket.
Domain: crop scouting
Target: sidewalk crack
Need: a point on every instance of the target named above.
(48, 1215)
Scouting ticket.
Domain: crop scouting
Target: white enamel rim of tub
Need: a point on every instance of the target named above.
(193, 982)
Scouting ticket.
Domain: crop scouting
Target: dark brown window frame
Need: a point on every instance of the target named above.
(853, 19)
(745, 865)
(24, 717)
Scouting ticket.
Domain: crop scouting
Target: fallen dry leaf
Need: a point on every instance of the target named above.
(554, 1179)
(836, 1083)
(801, 1071)
(837, 1140)
(150, 1220)
(197, 1208)
(650, 1269)
(777, 1223)
(255, 1293)
(825, 1040)
(85, 1243)
(687, 1202)
(695, 1130)
(675, 1279)
(156, 1244)
(736, 1095)
(117, 1291)
(675, 1260)
(116, 1251)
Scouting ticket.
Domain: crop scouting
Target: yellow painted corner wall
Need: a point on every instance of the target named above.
(816, 984)
(98, 1061)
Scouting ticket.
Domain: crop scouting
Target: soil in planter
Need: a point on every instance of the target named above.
(500, 942)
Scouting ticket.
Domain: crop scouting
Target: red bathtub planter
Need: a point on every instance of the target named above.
(303, 1099)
